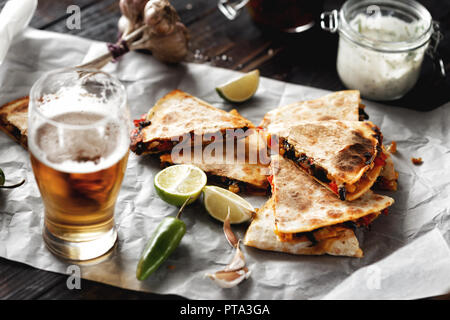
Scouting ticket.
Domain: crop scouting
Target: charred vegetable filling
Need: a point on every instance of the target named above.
(139, 147)
(237, 186)
(384, 184)
(304, 162)
(232, 185)
(362, 114)
(308, 165)
(313, 237)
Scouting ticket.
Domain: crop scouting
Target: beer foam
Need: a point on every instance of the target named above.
(78, 140)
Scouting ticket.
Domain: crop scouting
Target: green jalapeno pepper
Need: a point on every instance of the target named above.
(164, 241)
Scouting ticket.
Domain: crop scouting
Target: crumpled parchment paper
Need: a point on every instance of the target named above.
(406, 254)
(14, 17)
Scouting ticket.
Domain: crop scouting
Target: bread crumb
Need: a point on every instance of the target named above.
(417, 161)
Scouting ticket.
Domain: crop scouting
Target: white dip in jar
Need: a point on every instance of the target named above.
(382, 46)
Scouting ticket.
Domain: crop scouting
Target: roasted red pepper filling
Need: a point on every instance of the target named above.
(270, 179)
(380, 159)
(333, 186)
(140, 120)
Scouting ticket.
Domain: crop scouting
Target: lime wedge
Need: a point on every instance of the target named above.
(218, 200)
(177, 183)
(241, 89)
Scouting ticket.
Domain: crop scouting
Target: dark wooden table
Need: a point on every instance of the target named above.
(307, 59)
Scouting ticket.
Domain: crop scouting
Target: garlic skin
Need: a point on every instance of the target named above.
(152, 25)
(229, 279)
(237, 263)
(124, 25)
(132, 9)
(233, 274)
(170, 48)
(160, 16)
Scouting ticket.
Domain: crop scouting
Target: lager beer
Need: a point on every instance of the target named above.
(78, 142)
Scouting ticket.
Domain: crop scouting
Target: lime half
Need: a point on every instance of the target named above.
(177, 183)
(218, 200)
(241, 89)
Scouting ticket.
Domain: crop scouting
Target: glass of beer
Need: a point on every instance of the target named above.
(78, 138)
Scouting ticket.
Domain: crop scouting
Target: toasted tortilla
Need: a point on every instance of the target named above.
(178, 114)
(14, 120)
(302, 205)
(249, 165)
(345, 153)
(260, 234)
(340, 105)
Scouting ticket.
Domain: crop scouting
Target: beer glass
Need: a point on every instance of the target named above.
(78, 138)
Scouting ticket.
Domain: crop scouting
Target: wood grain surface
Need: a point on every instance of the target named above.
(306, 59)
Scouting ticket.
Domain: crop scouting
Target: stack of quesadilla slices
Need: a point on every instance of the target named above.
(182, 129)
(303, 217)
(341, 105)
(327, 157)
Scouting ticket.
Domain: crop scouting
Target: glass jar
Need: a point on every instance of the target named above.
(381, 45)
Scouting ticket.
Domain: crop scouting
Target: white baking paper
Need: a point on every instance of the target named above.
(406, 254)
(14, 18)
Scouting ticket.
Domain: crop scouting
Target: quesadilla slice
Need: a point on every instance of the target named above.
(302, 205)
(14, 120)
(341, 105)
(179, 114)
(246, 170)
(344, 156)
(334, 240)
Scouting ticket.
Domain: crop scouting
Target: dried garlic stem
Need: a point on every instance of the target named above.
(132, 41)
(229, 235)
(151, 25)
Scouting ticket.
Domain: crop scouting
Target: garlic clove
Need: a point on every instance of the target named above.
(234, 273)
(229, 279)
(238, 261)
(161, 16)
